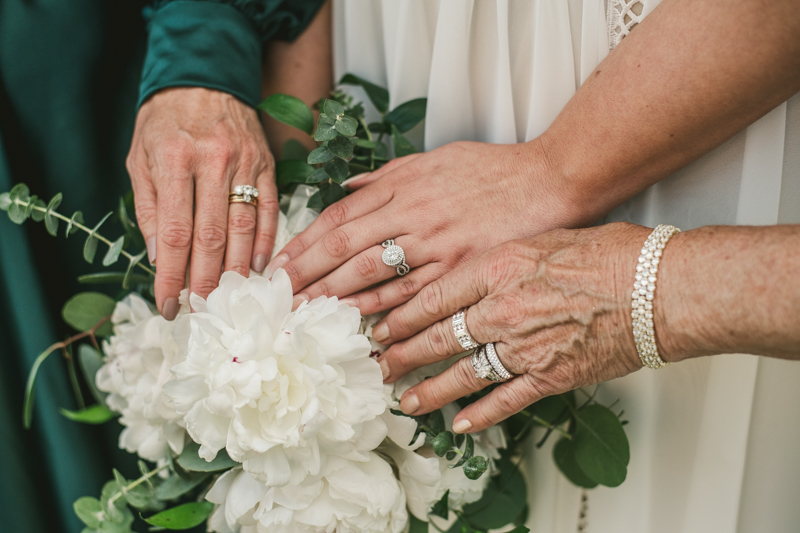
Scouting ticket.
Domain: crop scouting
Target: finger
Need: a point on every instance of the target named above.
(456, 290)
(507, 399)
(241, 234)
(266, 219)
(362, 180)
(339, 246)
(144, 198)
(364, 270)
(397, 291)
(175, 190)
(438, 391)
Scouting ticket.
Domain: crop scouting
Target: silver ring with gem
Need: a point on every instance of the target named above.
(244, 194)
(460, 329)
(483, 369)
(497, 366)
(394, 256)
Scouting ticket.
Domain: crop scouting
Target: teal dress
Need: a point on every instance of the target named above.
(72, 74)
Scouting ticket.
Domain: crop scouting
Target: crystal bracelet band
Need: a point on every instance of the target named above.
(644, 293)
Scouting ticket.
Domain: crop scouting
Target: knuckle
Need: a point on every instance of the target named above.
(294, 273)
(177, 235)
(322, 287)
(374, 299)
(464, 376)
(431, 299)
(436, 340)
(366, 267)
(242, 223)
(218, 149)
(336, 243)
(176, 151)
(509, 400)
(210, 238)
(335, 215)
(400, 356)
(406, 287)
(145, 213)
(203, 287)
(172, 279)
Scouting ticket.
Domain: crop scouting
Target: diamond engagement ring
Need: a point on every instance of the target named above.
(460, 329)
(497, 366)
(244, 194)
(394, 256)
(483, 369)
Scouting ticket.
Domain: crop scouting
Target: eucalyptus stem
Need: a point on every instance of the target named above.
(136, 483)
(545, 423)
(87, 230)
(73, 377)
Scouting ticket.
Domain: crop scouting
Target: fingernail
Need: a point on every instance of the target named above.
(462, 426)
(170, 309)
(409, 403)
(275, 264)
(346, 183)
(384, 369)
(300, 298)
(151, 249)
(352, 302)
(259, 262)
(381, 333)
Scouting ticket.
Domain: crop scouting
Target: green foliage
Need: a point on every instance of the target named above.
(505, 497)
(294, 149)
(441, 508)
(191, 460)
(474, 467)
(176, 486)
(564, 457)
(377, 95)
(401, 145)
(289, 110)
(112, 255)
(111, 278)
(407, 115)
(292, 171)
(90, 362)
(51, 222)
(601, 446)
(183, 516)
(95, 414)
(84, 310)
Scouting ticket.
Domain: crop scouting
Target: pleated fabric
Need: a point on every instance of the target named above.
(713, 440)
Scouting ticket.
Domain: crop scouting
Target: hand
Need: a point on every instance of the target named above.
(191, 146)
(442, 207)
(557, 307)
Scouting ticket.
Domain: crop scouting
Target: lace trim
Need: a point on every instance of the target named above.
(622, 16)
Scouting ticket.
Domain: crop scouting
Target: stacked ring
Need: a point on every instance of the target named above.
(460, 329)
(244, 194)
(488, 366)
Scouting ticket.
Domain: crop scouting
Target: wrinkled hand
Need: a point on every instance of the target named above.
(442, 207)
(557, 307)
(191, 146)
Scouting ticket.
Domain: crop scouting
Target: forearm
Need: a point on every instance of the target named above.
(728, 289)
(303, 69)
(689, 77)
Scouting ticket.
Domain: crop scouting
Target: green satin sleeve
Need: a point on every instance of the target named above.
(217, 44)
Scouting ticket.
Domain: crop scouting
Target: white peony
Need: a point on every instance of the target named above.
(138, 358)
(279, 390)
(347, 496)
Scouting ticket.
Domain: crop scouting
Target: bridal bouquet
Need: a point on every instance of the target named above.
(251, 417)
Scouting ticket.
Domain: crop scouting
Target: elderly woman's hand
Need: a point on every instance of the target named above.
(191, 147)
(558, 308)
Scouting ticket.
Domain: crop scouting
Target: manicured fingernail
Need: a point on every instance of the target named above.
(275, 264)
(409, 403)
(259, 262)
(151, 249)
(384, 369)
(300, 298)
(381, 333)
(346, 183)
(462, 426)
(352, 302)
(170, 309)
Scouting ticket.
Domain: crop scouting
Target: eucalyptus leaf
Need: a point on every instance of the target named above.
(51, 222)
(356, 169)
(129, 277)
(17, 213)
(377, 95)
(30, 388)
(337, 170)
(333, 109)
(39, 213)
(326, 128)
(407, 115)
(555, 410)
(135, 237)
(191, 460)
(319, 155)
(20, 192)
(315, 202)
(90, 362)
(402, 147)
(475, 467)
(117, 512)
(111, 278)
(436, 422)
(5, 201)
(469, 449)
(441, 508)
(292, 171)
(331, 193)
(289, 110)
(175, 486)
(601, 446)
(505, 497)
(90, 248)
(317, 176)
(94, 414)
(183, 516)
(442, 443)
(341, 147)
(564, 457)
(112, 255)
(415, 525)
(365, 143)
(141, 496)
(90, 511)
(294, 149)
(84, 310)
(346, 125)
(77, 218)
(29, 208)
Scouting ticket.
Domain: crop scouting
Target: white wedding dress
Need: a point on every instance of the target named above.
(715, 442)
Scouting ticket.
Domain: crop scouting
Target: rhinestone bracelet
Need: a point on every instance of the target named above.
(644, 289)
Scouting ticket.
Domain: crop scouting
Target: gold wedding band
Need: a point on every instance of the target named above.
(237, 199)
(244, 194)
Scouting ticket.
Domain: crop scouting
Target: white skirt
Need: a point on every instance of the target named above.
(715, 442)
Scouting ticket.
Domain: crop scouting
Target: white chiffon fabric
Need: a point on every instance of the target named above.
(715, 442)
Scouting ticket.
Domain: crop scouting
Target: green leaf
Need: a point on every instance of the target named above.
(5, 201)
(90, 511)
(402, 147)
(346, 125)
(341, 146)
(176, 486)
(112, 255)
(554, 409)
(436, 422)
(17, 213)
(30, 388)
(441, 508)
(142, 496)
(331, 193)
(415, 525)
(20, 192)
(333, 109)
(365, 143)
(135, 237)
(289, 110)
(111, 278)
(319, 155)
(130, 277)
(317, 176)
(90, 362)
(503, 499)
(190, 460)
(326, 128)
(51, 222)
(183, 516)
(407, 115)
(377, 95)
(601, 446)
(450, 455)
(520, 529)
(84, 310)
(315, 202)
(475, 467)
(356, 169)
(294, 149)
(564, 457)
(95, 414)
(337, 170)
(469, 449)
(442, 443)
(37, 214)
(90, 248)
(292, 171)
(77, 218)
